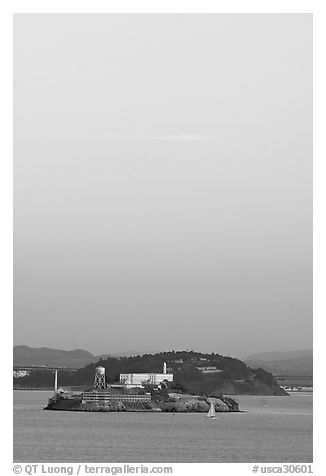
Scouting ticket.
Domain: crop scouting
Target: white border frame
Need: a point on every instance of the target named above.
(6, 185)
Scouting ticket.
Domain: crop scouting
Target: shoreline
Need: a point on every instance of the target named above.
(232, 395)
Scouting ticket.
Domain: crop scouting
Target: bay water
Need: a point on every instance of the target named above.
(270, 429)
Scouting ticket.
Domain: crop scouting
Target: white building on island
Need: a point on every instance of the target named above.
(138, 380)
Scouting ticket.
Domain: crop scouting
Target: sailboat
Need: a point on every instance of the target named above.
(211, 412)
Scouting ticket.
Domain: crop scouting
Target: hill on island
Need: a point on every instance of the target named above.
(194, 372)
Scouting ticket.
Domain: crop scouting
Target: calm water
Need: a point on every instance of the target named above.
(275, 429)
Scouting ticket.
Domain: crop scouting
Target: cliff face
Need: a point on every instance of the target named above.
(183, 404)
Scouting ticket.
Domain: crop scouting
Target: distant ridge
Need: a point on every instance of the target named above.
(44, 356)
(299, 362)
(282, 355)
(294, 363)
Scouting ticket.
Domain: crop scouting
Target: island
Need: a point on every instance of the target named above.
(174, 381)
(147, 399)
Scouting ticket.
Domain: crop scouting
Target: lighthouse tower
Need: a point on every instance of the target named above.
(164, 368)
(55, 382)
(99, 381)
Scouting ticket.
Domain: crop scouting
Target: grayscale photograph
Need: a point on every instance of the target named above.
(163, 291)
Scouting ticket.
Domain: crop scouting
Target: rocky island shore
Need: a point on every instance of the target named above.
(161, 402)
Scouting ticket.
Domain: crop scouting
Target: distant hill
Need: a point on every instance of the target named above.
(44, 356)
(281, 355)
(295, 363)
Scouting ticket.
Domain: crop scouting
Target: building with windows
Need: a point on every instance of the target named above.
(103, 398)
(209, 370)
(138, 380)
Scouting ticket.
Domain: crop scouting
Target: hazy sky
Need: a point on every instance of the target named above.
(163, 182)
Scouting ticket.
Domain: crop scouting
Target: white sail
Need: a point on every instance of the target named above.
(211, 411)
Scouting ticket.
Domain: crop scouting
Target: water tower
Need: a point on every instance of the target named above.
(99, 381)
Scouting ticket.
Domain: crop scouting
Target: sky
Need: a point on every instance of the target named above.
(163, 182)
